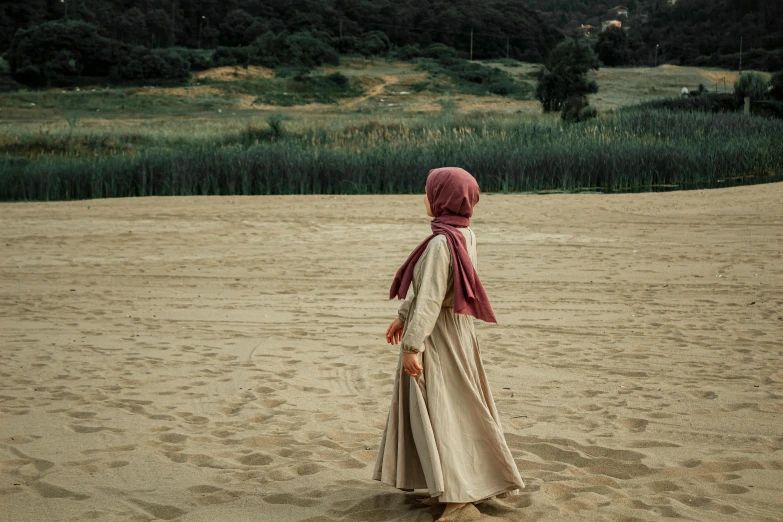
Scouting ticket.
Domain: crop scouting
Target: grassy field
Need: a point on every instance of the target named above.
(367, 127)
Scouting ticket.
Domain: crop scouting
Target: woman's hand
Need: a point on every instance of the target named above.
(411, 365)
(394, 331)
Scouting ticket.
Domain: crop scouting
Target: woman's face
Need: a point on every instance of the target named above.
(427, 205)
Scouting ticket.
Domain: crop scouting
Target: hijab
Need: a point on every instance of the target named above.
(452, 193)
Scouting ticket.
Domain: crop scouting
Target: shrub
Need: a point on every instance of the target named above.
(338, 79)
(197, 59)
(709, 102)
(303, 49)
(373, 43)
(576, 109)
(470, 77)
(407, 52)
(140, 63)
(228, 56)
(751, 84)
(275, 122)
(777, 86)
(510, 62)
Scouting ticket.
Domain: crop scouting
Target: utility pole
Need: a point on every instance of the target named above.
(65, 3)
(740, 66)
(656, 54)
(341, 28)
(507, 47)
(200, 24)
(471, 45)
(173, 21)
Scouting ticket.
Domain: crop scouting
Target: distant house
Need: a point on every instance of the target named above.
(606, 24)
(619, 11)
(586, 30)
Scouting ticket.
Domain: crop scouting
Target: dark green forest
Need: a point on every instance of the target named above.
(129, 40)
(209, 23)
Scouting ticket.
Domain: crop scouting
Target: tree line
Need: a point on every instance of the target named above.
(499, 26)
(58, 42)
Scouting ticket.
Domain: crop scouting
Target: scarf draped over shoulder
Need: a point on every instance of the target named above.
(452, 193)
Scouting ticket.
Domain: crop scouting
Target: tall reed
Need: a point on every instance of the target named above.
(633, 150)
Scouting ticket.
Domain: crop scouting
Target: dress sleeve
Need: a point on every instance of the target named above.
(432, 281)
(405, 306)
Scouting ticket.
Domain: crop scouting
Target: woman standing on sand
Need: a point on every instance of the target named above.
(443, 432)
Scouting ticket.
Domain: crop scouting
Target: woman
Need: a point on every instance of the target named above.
(443, 431)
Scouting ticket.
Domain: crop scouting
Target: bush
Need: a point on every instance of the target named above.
(228, 56)
(471, 77)
(503, 86)
(373, 43)
(197, 59)
(777, 86)
(751, 84)
(303, 49)
(140, 63)
(576, 109)
(768, 109)
(407, 52)
(709, 102)
(275, 122)
(510, 62)
(338, 79)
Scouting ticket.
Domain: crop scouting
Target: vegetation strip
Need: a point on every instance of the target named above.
(635, 149)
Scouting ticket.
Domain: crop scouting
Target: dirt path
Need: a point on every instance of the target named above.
(372, 91)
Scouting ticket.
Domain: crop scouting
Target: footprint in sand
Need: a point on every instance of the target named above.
(173, 438)
(47, 490)
(255, 459)
(634, 425)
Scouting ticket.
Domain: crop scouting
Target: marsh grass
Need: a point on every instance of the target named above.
(632, 150)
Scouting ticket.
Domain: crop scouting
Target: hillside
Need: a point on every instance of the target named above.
(498, 26)
(688, 32)
(377, 87)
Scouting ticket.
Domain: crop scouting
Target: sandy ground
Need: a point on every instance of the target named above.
(204, 359)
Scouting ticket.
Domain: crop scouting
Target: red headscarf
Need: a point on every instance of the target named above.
(452, 193)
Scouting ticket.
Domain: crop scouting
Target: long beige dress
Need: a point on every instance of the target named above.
(443, 431)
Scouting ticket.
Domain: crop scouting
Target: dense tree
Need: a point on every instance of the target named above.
(132, 27)
(499, 26)
(565, 75)
(753, 85)
(691, 32)
(56, 52)
(63, 52)
(234, 31)
(612, 47)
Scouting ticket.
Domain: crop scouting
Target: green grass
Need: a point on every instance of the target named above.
(633, 150)
(476, 78)
(123, 100)
(296, 90)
